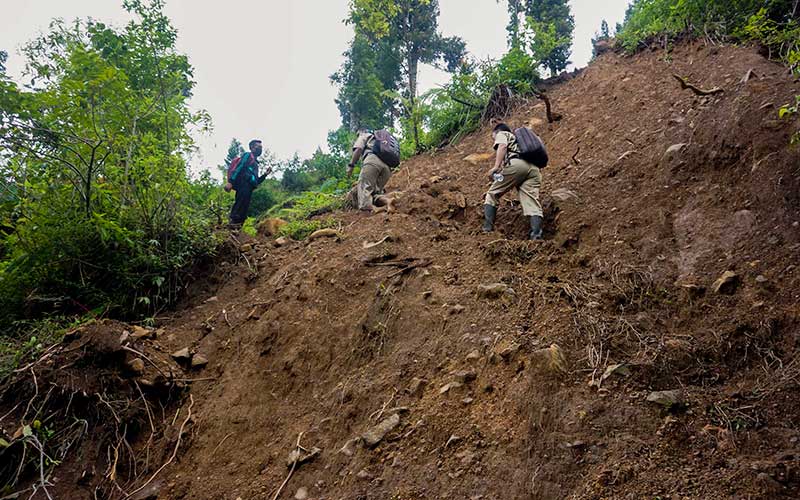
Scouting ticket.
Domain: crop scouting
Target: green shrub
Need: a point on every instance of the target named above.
(301, 229)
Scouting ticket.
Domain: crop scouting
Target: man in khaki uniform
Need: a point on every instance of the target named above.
(516, 173)
(374, 173)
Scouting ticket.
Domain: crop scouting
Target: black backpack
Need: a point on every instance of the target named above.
(386, 148)
(531, 147)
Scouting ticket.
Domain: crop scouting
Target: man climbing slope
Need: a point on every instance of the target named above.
(243, 178)
(511, 170)
(380, 152)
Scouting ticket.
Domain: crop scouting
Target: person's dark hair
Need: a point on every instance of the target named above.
(253, 143)
(501, 127)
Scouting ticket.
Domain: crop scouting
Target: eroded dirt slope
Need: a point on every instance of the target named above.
(537, 387)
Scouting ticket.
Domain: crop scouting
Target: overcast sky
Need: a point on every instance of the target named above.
(262, 66)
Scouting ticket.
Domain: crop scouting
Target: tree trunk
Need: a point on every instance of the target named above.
(413, 64)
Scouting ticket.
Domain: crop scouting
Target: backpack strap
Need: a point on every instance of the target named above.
(245, 159)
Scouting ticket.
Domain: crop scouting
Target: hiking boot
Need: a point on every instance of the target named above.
(536, 227)
(489, 213)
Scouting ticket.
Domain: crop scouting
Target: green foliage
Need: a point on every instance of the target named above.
(301, 229)
(399, 35)
(98, 206)
(38, 335)
(547, 31)
(716, 19)
(305, 205)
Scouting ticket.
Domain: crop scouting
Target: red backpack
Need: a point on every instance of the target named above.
(233, 167)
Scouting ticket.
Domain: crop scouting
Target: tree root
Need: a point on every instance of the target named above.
(698, 91)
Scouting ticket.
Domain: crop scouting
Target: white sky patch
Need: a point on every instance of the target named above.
(262, 67)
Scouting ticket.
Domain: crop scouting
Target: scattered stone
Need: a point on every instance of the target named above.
(282, 241)
(694, 290)
(727, 283)
(675, 149)
(136, 366)
(376, 434)
(474, 356)
(140, 333)
(246, 248)
(467, 401)
(417, 386)
(457, 309)
(211, 299)
(761, 279)
(448, 387)
(435, 179)
(363, 474)
(199, 361)
(302, 493)
(666, 399)
(324, 233)
(620, 369)
(372, 244)
(478, 158)
(493, 291)
(508, 352)
(124, 337)
(551, 359)
(182, 355)
(299, 457)
(453, 439)
(466, 376)
(349, 447)
(564, 194)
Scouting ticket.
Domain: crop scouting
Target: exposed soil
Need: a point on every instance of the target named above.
(328, 338)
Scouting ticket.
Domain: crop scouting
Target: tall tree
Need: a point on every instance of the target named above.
(548, 30)
(411, 28)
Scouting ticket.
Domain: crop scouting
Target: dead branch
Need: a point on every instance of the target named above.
(291, 471)
(575, 159)
(465, 103)
(698, 91)
(551, 117)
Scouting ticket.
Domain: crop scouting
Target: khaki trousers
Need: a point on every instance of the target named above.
(526, 178)
(373, 178)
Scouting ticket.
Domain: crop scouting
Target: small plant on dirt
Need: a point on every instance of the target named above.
(301, 229)
(35, 337)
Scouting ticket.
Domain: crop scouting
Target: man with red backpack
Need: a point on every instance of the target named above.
(381, 153)
(243, 178)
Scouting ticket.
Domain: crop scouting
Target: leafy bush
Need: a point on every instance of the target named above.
(301, 229)
(100, 208)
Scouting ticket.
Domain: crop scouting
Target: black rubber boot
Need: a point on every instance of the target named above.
(489, 213)
(536, 227)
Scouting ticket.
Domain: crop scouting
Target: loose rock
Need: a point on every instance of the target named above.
(182, 355)
(666, 399)
(324, 233)
(727, 283)
(282, 241)
(302, 493)
(448, 387)
(474, 356)
(417, 386)
(136, 366)
(551, 359)
(493, 291)
(376, 434)
(466, 376)
(199, 361)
